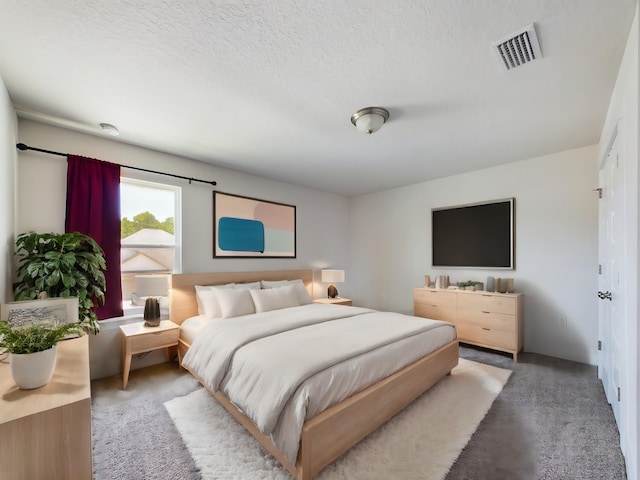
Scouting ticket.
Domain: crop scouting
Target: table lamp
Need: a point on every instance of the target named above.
(331, 277)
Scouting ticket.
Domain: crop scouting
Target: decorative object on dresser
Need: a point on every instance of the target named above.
(442, 281)
(490, 284)
(504, 285)
(32, 350)
(332, 276)
(46, 433)
(30, 333)
(485, 319)
(471, 285)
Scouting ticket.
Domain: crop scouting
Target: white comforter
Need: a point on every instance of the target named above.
(284, 366)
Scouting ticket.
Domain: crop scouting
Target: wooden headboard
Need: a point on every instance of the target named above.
(183, 292)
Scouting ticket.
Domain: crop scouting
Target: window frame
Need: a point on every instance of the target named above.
(177, 231)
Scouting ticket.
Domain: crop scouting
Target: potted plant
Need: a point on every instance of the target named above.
(32, 350)
(62, 265)
(468, 285)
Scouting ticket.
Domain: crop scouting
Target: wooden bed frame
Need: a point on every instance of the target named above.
(331, 433)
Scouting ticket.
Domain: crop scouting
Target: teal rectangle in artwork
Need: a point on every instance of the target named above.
(240, 235)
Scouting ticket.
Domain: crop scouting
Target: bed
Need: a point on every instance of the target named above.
(332, 431)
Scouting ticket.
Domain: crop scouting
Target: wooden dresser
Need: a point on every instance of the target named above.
(45, 433)
(486, 319)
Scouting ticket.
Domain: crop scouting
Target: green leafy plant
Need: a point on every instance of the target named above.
(62, 265)
(36, 337)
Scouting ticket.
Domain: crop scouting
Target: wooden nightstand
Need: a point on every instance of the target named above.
(136, 338)
(334, 301)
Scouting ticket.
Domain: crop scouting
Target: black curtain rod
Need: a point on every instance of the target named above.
(22, 146)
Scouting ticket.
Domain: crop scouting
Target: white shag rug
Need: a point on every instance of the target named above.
(421, 442)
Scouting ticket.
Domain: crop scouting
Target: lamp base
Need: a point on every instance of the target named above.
(151, 312)
(332, 291)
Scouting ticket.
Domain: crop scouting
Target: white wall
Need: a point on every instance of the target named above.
(556, 245)
(8, 157)
(322, 218)
(623, 116)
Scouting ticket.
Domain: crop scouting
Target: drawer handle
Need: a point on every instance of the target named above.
(487, 329)
(434, 306)
(484, 311)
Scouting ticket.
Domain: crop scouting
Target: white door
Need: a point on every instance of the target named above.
(611, 252)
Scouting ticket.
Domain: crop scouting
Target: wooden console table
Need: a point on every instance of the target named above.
(45, 433)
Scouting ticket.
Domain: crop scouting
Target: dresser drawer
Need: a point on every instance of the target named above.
(152, 341)
(435, 312)
(493, 321)
(440, 298)
(488, 303)
(486, 336)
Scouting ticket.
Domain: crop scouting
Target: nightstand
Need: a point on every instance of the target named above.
(334, 301)
(136, 338)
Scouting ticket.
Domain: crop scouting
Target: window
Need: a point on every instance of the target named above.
(150, 240)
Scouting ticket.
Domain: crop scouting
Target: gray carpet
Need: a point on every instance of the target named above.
(551, 421)
(133, 436)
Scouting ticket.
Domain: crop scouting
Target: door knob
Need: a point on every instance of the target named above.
(604, 295)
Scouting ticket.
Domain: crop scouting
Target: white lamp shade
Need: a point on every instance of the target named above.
(152, 285)
(370, 123)
(333, 276)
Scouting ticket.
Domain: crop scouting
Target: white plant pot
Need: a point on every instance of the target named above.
(33, 370)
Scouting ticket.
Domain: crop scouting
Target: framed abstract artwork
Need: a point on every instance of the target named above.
(246, 227)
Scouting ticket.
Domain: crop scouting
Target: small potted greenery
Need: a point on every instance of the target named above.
(468, 285)
(32, 350)
(62, 265)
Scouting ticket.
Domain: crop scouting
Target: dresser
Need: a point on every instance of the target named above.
(45, 433)
(486, 319)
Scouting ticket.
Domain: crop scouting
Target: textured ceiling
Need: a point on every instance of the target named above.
(268, 87)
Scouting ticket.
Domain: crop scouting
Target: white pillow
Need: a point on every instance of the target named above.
(203, 288)
(235, 302)
(301, 291)
(252, 285)
(210, 303)
(274, 298)
(274, 283)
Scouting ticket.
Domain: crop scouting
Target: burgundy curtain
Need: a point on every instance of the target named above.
(93, 208)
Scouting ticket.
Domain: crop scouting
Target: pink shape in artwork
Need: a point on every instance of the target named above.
(276, 217)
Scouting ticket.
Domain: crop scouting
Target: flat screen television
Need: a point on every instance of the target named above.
(478, 235)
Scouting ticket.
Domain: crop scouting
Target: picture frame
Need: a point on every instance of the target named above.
(30, 312)
(246, 227)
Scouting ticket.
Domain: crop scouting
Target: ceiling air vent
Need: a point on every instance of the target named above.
(517, 49)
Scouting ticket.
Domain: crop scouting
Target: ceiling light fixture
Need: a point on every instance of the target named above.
(370, 119)
(110, 129)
